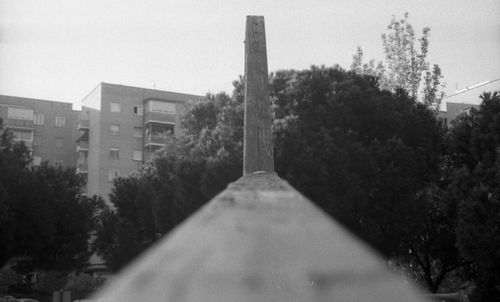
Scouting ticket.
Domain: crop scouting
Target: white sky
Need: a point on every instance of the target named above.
(61, 50)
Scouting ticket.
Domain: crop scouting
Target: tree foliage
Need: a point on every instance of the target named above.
(52, 221)
(83, 285)
(14, 160)
(367, 157)
(45, 222)
(190, 171)
(405, 63)
(474, 191)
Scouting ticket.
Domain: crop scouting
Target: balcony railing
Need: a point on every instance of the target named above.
(82, 168)
(19, 124)
(159, 118)
(260, 239)
(82, 146)
(155, 140)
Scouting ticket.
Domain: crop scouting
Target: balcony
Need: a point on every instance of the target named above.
(82, 168)
(155, 141)
(82, 146)
(21, 134)
(27, 142)
(83, 125)
(159, 118)
(18, 124)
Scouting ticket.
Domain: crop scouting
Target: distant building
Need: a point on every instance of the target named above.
(121, 127)
(118, 129)
(465, 99)
(46, 127)
(453, 110)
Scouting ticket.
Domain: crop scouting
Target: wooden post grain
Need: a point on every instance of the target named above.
(258, 145)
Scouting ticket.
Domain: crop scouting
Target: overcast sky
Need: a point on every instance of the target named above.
(61, 50)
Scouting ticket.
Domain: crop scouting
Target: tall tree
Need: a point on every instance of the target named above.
(405, 63)
(369, 158)
(474, 192)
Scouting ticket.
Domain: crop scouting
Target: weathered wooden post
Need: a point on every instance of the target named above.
(260, 239)
(258, 142)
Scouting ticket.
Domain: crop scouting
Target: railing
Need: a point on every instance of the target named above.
(159, 118)
(82, 146)
(19, 124)
(82, 168)
(155, 140)
(260, 239)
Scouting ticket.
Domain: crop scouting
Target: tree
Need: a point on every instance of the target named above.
(83, 285)
(405, 64)
(190, 171)
(368, 157)
(53, 221)
(14, 160)
(44, 220)
(474, 191)
(122, 233)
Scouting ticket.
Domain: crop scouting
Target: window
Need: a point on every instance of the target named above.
(58, 162)
(60, 121)
(163, 107)
(138, 132)
(114, 153)
(137, 155)
(114, 129)
(115, 107)
(59, 142)
(112, 174)
(38, 120)
(138, 110)
(37, 160)
(37, 140)
(20, 113)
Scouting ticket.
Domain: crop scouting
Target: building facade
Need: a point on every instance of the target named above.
(453, 110)
(121, 127)
(46, 127)
(463, 101)
(117, 130)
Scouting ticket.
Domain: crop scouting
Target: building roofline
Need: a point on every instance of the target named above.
(90, 92)
(463, 103)
(150, 89)
(34, 99)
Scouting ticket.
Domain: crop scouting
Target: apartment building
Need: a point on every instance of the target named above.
(120, 127)
(453, 110)
(46, 127)
(464, 100)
